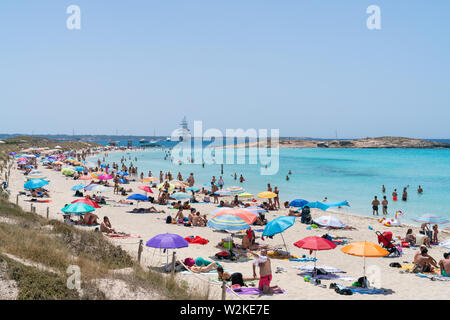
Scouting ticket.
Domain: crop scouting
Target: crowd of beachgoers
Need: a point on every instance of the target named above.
(238, 232)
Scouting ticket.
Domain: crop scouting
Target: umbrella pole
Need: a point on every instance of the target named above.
(284, 242)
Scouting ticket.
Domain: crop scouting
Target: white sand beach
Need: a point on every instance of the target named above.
(403, 285)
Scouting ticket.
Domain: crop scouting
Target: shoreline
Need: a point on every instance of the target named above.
(149, 225)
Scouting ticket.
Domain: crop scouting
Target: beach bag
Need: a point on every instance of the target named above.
(169, 219)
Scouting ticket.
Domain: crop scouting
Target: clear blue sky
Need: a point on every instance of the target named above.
(306, 67)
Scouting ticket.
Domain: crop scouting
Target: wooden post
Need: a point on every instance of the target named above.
(31, 207)
(224, 289)
(17, 199)
(140, 251)
(173, 263)
(48, 210)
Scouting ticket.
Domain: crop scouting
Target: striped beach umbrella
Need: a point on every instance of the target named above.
(431, 218)
(244, 214)
(85, 178)
(223, 192)
(235, 190)
(447, 230)
(228, 222)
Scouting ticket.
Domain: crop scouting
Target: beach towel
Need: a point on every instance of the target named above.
(310, 268)
(330, 276)
(252, 291)
(433, 276)
(196, 240)
(364, 290)
(88, 225)
(303, 259)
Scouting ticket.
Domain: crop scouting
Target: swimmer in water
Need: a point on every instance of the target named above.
(287, 178)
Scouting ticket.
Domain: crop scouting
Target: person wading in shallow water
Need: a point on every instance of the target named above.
(375, 204)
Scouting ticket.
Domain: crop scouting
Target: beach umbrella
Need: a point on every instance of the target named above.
(298, 203)
(35, 176)
(146, 188)
(87, 201)
(85, 178)
(67, 171)
(223, 192)
(29, 166)
(77, 208)
(35, 184)
(105, 177)
(79, 169)
(228, 222)
(167, 241)
(78, 187)
(91, 186)
(96, 174)
(278, 225)
(446, 230)
(318, 205)
(235, 190)
(180, 196)
(329, 221)
(364, 249)
(12, 153)
(267, 195)
(430, 218)
(193, 189)
(245, 215)
(122, 173)
(171, 186)
(138, 197)
(245, 195)
(315, 244)
(149, 179)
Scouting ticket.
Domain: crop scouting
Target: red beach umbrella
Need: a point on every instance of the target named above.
(87, 201)
(314, 244)
(146, 188)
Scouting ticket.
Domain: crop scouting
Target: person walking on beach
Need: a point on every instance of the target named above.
(384, 203)
(265, 272)
(375, 204)
(220, 183)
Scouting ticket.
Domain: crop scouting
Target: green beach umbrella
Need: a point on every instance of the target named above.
(78, 208)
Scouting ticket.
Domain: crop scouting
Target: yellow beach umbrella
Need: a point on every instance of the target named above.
(267, 195)
(245, 195)
(364, 249)
(149, 179)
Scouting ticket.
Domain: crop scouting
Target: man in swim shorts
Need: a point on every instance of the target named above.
(384, 203)
(265, 272)
(375, 204)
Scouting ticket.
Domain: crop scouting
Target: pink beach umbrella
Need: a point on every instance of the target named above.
(146, 189)
(105, 177)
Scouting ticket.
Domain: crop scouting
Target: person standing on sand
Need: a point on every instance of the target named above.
(375, 204)
(269, 189)
(265, 272)
(276, 200)
(384, 203)
(161, 177)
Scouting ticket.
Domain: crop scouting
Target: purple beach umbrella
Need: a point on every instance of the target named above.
(167, 241)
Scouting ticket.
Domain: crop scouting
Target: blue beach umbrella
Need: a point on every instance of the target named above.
(318, 205)
(122, 173)
(79, 169)
(29, 166)
(278, 225)
(193, 189)
(180, 196)
(35, 184)
(228, 222)
(138, 197)
(298, 203)
(91, 186)
(78, 208)
(79, 187)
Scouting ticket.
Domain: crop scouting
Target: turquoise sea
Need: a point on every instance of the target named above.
(355, 175)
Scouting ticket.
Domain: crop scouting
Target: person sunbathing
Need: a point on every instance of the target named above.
(179, 218)
(203, 269)
(410, 238)
(106, 227)
(444, 264)
(235, 277)
(423, 262)
(90, 219)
